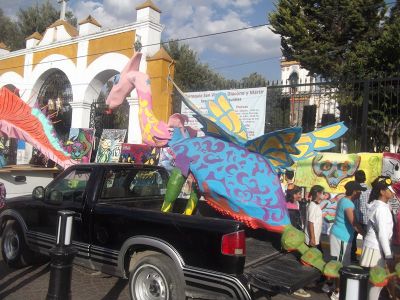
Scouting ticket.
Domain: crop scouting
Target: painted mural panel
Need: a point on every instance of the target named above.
(334, 170)
(80, 144)
(110, 145)
(391, 165)
(139, 154)
(328, 207)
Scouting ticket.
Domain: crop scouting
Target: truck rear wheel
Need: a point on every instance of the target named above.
(13, 246)
(155, 277)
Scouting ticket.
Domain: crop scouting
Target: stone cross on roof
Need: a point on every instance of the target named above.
(63, 8)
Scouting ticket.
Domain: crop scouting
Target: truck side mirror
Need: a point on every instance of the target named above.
(55, 197)
(38, 193)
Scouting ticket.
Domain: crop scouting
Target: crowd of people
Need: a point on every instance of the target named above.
(363, 211)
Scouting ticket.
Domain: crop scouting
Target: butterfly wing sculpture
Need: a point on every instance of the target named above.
(281, 148)
(320, 139)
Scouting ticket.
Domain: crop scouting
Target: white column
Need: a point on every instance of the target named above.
(80, 114)
(134, 132)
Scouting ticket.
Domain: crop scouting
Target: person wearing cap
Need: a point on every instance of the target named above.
(376, 246)
(343, 229)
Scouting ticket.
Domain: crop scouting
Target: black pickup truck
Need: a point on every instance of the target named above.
(119, 229)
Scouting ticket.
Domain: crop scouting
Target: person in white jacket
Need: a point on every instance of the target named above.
(376, 246)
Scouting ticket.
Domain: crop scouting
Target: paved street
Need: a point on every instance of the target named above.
(32, 283)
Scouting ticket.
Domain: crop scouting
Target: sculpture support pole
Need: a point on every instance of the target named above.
(134, 132)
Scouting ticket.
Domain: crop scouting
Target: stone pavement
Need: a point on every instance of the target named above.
(31, 283)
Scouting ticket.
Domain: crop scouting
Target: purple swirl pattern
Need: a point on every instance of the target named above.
(234, 179)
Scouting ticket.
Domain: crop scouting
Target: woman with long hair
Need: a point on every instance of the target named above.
(376, 246)
(313, 224)
(293, 197)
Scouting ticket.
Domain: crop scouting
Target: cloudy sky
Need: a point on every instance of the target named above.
(234, 55)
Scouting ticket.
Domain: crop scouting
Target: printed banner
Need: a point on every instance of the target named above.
(110, 144)
(139, 154)
(249, 104)
(80, 144)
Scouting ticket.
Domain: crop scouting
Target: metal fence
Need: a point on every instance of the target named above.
(369, 108)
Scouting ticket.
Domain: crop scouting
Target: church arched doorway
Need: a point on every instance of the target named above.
(53, 99)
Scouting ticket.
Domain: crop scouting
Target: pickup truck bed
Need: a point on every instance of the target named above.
(266, 267)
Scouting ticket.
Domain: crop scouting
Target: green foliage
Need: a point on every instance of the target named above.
(190, 73)
(35, 18)
(349, 39)
(330, 38)
(253, 80)
(278, 114)
(386, 56)
(8, 31)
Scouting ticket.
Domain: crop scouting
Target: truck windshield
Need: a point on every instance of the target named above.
(69, 188)
(121, 183)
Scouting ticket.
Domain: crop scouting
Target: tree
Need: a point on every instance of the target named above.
(8, 31)
(386, 59)
(35, 18)
(253, 80)
(330, 38)
(341, 39)
(190, 73)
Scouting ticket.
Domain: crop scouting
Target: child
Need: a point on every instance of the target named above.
(293, 197)
(314, 217)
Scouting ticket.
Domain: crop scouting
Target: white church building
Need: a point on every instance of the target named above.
(78, 62)
(305, 93)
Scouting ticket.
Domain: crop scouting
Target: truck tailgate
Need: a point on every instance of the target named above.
(281, 273)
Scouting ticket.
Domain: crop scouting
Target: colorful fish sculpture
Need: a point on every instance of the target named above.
(20, 121)
(236, 176)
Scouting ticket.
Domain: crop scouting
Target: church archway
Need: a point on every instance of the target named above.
(103, 118)
(54, 97)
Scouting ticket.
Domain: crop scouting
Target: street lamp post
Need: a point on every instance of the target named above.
(62, 256)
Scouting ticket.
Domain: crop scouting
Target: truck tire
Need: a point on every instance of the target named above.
(14, 249)
(155, 277)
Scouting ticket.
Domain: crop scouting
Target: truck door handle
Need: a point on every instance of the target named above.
(78, 217)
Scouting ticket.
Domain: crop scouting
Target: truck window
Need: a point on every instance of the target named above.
(70, 188)
(121, 183)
